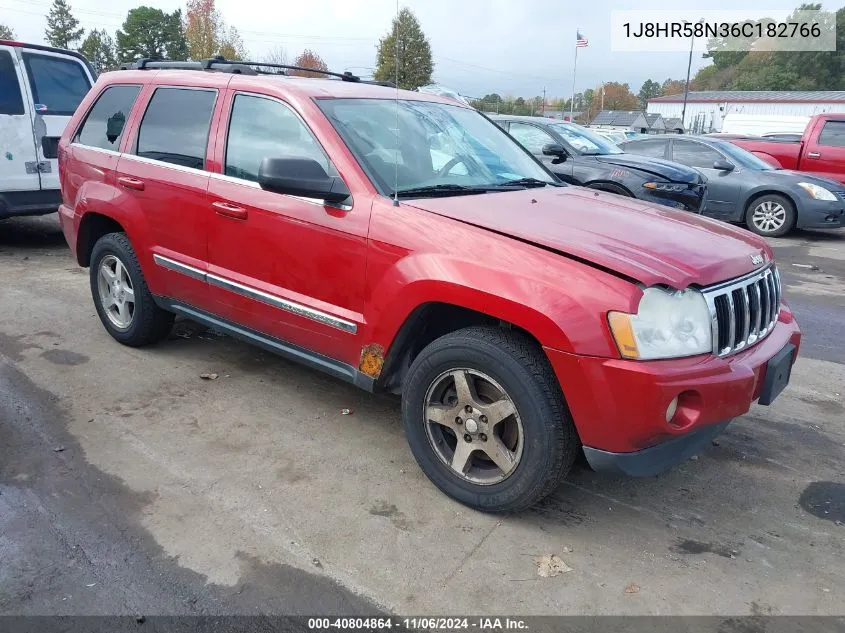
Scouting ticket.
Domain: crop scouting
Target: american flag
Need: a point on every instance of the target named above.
(580, 40)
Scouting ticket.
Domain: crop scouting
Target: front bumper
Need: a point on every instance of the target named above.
(619, 406)
(821, 214)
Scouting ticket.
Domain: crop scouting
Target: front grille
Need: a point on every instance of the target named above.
(743, 311)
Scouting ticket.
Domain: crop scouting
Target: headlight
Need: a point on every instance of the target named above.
(819, 193)
(668, 324)
(666, 186)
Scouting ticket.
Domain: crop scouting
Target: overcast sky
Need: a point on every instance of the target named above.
(513, 47)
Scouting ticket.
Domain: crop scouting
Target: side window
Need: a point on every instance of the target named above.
(656, 149)
(695, 154)
(58, 83)
(10, 92)
(833, 134)
(103, 127)
(530, 137)
(262, 128)
(175, 126)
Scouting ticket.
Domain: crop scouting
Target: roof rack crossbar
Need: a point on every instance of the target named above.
(220, 63)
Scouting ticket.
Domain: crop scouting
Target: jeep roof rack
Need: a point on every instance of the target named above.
(240, 67)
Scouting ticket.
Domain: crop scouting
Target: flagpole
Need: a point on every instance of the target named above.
(574, 71)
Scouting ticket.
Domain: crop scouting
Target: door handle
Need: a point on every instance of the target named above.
(131, 183)
(813, 155)
(230, 210)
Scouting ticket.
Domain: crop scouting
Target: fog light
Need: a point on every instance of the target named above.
(670, 410)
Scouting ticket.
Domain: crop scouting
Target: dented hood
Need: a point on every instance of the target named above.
(649, 243)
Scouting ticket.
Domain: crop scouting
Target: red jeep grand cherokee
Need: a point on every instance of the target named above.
(404, 242)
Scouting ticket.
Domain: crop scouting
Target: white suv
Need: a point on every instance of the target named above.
(40, 87)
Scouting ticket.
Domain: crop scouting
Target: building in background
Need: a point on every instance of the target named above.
(620, 121)
(705, 111)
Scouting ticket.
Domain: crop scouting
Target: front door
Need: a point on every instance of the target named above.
(826, 155)
(162, 177)
(290, 267)
(57, 84)
(723, 187)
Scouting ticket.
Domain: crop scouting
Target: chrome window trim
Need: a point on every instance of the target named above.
(108, 152)
(259, 295)
(161, 163)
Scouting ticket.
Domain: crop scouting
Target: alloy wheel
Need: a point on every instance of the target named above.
(117, 296)
(769, 216)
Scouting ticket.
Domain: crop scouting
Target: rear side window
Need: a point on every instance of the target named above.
(175, 126)
(10, 91)
(104, 125)
(58, 83)
(655, 149)
(833, 134)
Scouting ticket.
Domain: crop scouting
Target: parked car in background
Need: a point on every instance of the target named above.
(612, 136)
(580, 156)
(821, 150)
(744, 188)
(40, 87)
(522, 321)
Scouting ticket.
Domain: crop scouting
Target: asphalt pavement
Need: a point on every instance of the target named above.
(129, 485)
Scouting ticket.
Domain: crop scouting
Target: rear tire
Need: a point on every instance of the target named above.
(121, 296)
(770, 215)
(508, 378)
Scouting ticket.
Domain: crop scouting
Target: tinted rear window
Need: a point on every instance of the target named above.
(833, 133)
(175, 126)
(58, 83)
(105, 123)
(10, 91)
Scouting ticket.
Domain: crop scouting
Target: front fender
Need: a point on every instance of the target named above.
(562, 303)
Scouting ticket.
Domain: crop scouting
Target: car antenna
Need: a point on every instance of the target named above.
(398, 133)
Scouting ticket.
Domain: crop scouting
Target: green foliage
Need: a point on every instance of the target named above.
(782, 69)
(100, 50)
(6, 32)
(152, 33)
(406, 41)
(63, 29)
(649, 90)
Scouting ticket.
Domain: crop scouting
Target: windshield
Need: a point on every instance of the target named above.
(743, 158)
(435, 146)
(585, 141)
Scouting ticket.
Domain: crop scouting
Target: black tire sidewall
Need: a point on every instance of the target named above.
(111, 245)
(785, 202)
(541, 439)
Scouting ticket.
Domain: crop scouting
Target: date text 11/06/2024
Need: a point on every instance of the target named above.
(419, 624)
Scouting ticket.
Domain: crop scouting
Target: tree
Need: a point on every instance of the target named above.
(618, 96)
(407, 42)
(673, 87)
(309, 59)
(649, 90)
(62, 28)
(7, 32)
(152, 33)
(100, 50)
(207, 34)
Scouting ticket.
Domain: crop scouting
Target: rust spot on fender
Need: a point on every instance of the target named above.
(372, 360)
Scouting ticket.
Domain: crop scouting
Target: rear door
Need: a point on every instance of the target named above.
(56, 84)
(18, 160)
(825, 154)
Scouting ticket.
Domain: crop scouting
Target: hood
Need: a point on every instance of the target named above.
(665, 169)
(649, 243)
(794, 177)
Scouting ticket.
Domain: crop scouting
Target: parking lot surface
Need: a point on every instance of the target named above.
(129, 484)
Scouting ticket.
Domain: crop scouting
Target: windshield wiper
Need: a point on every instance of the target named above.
(445, 189)
(527, 182)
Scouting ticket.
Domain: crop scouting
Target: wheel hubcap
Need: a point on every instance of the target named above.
(769, 216)
(473, 426)
(117, 297)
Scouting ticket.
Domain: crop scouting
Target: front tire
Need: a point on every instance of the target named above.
(486, 420)
(121, 296)
(770, 215)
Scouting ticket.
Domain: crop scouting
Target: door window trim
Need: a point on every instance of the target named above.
(132, 151)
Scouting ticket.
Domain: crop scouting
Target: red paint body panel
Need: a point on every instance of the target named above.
(805, 155)
(550, 261)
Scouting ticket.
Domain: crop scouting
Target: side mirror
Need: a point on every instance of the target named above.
(301, 177)
(556, 150)
(723, 165)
